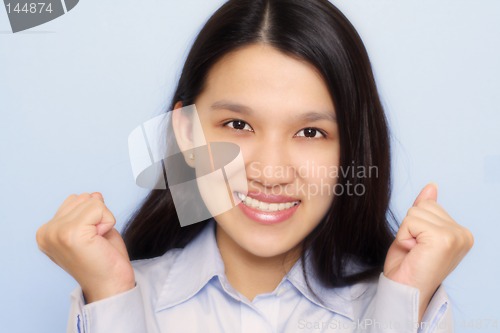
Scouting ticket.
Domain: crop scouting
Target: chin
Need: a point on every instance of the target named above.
(267, 248)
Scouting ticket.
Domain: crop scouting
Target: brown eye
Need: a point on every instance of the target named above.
(310, 133)
(239, 125)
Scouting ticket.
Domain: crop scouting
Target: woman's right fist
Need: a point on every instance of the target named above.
(81, 239)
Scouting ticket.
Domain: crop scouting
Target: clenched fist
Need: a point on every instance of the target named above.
(428, 247)
(81, 238)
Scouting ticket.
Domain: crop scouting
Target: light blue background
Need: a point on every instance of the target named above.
(71, 91)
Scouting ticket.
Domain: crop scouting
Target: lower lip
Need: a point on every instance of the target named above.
(262, 217)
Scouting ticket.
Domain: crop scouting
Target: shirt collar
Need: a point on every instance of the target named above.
(341, 300)
(197, 263)
(200, 261)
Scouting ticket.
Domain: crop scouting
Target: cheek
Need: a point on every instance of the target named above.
(318, 171)
(316, 164)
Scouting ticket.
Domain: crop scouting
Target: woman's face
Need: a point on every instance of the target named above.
(279, 112)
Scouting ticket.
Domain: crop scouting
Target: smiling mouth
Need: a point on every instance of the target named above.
(266, 206)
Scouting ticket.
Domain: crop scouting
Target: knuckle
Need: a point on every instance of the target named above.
(84, 196)
(40, 236)
(471, 240)
(448, 240)
(64, 237)
(421, 203)
(97, 204)
(461, 241)
(72, 196)
(468, 237)
(425, 204)
(48, 238)
(413, 211)
(403, 225)
(410, 220)
(456, 238)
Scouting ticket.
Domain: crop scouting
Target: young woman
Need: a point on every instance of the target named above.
(290, 83)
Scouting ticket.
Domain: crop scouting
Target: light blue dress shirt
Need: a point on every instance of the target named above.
(186, 290)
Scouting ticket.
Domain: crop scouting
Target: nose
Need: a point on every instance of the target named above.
(270, 163)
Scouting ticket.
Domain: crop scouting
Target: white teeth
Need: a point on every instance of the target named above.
(255, 203)
(265, 206)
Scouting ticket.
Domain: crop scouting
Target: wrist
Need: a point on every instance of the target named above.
(103, 291)
(424, 300)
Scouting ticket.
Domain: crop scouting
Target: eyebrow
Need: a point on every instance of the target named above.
(225, 105)
(243, 109)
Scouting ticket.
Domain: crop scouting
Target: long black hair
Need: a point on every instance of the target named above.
(356, 227)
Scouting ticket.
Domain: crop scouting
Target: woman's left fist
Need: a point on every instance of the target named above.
(428, 247)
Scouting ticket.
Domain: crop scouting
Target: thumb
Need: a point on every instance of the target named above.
(429, 192)
(107, 222)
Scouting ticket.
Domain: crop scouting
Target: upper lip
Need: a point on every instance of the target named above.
(271, 198)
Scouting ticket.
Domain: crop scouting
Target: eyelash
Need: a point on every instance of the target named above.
(237, 129)
(321, 132)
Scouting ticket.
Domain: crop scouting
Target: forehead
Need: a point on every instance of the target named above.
(260, 74)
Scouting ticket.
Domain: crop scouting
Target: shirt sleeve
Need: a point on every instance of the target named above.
(396, 310)
(120, 313)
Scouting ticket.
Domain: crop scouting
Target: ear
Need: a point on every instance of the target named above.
(183, 130)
